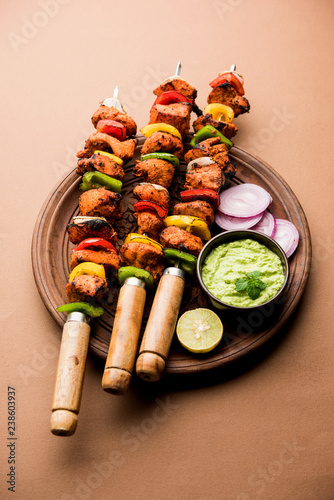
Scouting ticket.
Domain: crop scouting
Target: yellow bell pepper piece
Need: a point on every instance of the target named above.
(219, 112)
(116, 159)
(87, 268)
(193, 225)
(140, 238)
(160, 127)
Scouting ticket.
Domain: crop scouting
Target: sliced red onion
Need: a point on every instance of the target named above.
(244, 200)
(203, 161)
(287, 236)
(266, 225)
(230, 223)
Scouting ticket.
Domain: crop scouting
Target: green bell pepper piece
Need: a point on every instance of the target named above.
(207, 132)
(91, 180)
(83, 307)
(135, 272)
(185, 261)
(162, 156)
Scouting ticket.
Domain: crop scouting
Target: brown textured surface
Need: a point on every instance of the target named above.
(258, 429)
(51, 252)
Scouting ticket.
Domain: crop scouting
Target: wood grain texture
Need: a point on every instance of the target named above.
(160, 328)
(51, 251)
(69, 378)
(124, 339)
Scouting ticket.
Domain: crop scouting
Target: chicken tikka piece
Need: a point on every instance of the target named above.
(145, 257)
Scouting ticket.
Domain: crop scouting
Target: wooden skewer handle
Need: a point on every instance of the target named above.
(70, 375)
(125, 336)
(161, 324)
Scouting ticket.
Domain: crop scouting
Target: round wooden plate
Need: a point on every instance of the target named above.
(243, 333)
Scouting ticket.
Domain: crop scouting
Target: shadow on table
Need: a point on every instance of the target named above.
(183, 382)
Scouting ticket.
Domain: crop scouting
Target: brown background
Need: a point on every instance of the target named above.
(263, 430)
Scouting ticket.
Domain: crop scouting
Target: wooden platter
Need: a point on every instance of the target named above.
(243, 333)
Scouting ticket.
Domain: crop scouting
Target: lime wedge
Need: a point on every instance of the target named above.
(199, 330)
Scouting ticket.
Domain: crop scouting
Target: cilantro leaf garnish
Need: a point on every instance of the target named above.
(252, 284)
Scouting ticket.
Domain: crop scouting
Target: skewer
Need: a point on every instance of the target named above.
(178, 69)
(162, 320)
(161, 323)
(233, 67)
(126, 330)
(73, 352)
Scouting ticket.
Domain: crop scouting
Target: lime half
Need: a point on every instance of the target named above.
(199, 330)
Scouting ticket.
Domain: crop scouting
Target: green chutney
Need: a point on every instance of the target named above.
(231, 261)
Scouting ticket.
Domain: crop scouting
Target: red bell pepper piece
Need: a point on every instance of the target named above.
(170, 97)
(95, 244)
(150, 206)
(231, 79)
(113, 128)
(208, 195)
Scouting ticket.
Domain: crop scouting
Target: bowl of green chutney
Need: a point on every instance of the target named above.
(242, 270)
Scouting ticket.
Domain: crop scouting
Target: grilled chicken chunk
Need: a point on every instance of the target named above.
(179, 85)
(155, 171)
(144, 256)
(93, 228)
(87, 288)
(102, 203)
(161, 141)
(227, 129)
(149, 224)
(104, 142)
(106, 113)
(148, 192)
(102, 164)
(216, 150)
(226, 94)
(197, 208)
(109, 259)
(201, 149)
(209, 177)
(175, 237)
(177, 114)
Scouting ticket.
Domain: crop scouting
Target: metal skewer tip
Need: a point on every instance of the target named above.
(233, 67)
(178, 69)
(116, 92)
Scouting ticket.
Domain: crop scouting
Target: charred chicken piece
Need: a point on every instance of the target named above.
(144, 256)
(177, 114)
(104, 142)
(106, 113)
(109, 259)
(102, 203)
(226, 94)
(175, 237)
(93, 228)
(179, 85)
(209, 177)
(149, 224)
(197, 208)
(87, 288)
(155, 171)
(201, 149)
(101, 163)
(217, 151)
(164, 142)
(149, 192)
(227, 129)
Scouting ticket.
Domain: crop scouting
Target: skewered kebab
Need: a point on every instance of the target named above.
(93, 260)
(182, 246)
(160, 152)
(208, 163)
